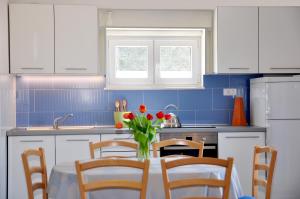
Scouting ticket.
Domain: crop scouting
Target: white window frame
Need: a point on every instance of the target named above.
(154, 38)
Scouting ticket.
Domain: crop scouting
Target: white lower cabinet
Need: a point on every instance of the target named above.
(74, 147)
(123, 151)
(240, 146)
(17, 187)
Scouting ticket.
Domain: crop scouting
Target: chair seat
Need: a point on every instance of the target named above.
(246, 197)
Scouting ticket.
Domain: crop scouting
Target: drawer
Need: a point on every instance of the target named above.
(124, 137)
(119, 153)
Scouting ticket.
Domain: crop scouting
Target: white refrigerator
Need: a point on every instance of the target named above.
(275, 104)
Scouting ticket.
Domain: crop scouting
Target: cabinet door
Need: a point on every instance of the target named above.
(76, 39)
(31, 38)
(279, 41)
(17, 187)
(124, 137)
(240, 146)
(237, 40)
(74, 147)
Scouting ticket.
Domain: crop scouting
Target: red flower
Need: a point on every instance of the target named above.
(131, 116)
(160, 115)
(143, 108)
(149, 116)
(125, 115)
(167, 116)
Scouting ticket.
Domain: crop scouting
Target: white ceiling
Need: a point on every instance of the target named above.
(167, 4)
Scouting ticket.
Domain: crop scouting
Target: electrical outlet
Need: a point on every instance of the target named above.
(229, 91)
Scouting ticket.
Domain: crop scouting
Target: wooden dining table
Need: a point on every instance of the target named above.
(63, 181)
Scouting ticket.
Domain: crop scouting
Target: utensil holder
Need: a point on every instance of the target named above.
(118, 117)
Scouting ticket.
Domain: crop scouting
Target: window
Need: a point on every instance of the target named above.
(155, 58)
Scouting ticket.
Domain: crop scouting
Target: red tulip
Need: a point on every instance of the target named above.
(167, 116)
(131, 116)
(160, 115)
(149, 116)
(143, 108)
(125, 115)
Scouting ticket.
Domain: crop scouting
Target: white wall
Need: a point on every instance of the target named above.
(7, 95)
(168, 4)
(3, 37)
(7, 121)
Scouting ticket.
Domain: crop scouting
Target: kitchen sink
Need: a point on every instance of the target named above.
(49, 128)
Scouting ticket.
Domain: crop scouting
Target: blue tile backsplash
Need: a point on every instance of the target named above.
(41, 99)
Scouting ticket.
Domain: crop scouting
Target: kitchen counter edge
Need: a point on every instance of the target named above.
(110, 130)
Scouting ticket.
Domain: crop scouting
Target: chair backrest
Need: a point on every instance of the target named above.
(29, 171)
(268, 168)
(181, 183)
(107, 184)
(111, 143)
(192, 144)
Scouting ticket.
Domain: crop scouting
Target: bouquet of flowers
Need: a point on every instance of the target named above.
(143, 127)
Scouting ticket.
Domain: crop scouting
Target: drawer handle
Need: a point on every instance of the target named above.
(129, 138)
(31, 141)
(32, 68)
(75, 68)
(78, 140)
(210, 147)
(290, 68)
(238, 68)
(242, 137)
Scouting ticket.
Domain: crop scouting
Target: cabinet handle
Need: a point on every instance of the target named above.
(290, 68)
(238, 68)
(129, 138)
(32, 68)
(77, 140)
(210, 147)
(75, 68)
(185, 148)
(31, 141)
(242, 137)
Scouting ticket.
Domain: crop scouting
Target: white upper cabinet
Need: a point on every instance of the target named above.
(236, 40)
(279, 40)
(76, 39)
(31, 38)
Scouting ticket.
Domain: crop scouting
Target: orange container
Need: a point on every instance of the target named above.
(239, 116)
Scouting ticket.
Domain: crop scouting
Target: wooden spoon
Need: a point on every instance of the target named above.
(124, 103)
(117, 105)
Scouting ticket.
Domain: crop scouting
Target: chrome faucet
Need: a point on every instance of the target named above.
(61, 119)
(171, 106)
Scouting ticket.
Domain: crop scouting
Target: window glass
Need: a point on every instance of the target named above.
(131, 61)
(175, 61)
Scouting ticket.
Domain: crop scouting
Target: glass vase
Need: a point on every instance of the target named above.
(144, 152)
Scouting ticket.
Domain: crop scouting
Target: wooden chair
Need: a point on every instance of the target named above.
(107, 184)
(111, 143)
(169, 185)
(257, 166)
(192, 144)
(29, 171)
